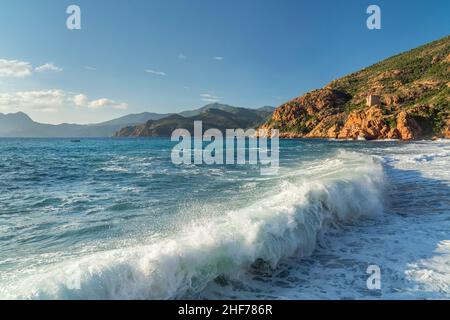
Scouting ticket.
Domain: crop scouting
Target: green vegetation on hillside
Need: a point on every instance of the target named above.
(224, 118)
(416, 82)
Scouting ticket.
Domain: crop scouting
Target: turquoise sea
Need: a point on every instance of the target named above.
(115, 219)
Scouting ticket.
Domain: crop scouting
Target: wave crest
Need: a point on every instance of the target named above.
(286, 223)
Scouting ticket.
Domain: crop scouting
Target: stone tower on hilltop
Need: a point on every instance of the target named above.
(373, 100)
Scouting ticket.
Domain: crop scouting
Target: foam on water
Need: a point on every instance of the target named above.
(432, 274)
(410, 243)
(309, 233)
(300, 209)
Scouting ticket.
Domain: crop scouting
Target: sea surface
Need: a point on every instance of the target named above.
(115, 219)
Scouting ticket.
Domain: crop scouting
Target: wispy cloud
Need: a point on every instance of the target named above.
(81, 100)
(20, 69)
(48, 67)
(15, 68)
(52, 101)
(90, 68)
(43, 101)
(158, 73)
(207, 97)
(182, 56)
(218, 58)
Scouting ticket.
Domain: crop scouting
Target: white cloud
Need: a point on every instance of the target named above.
(18, 69)
(43, 101)
(103, 102)
(48, 67)
(207, 97)
(52, 101)
(81, 100)
(218, 58)
(182, 56)
(90, 68)
(158, 73)
(14, 68)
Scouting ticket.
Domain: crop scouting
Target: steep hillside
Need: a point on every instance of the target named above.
(410, 95)
(211, 118)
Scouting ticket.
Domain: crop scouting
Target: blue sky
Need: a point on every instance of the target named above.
(168, 56)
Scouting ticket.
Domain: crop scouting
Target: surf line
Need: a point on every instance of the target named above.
(237, 142)
(190, 310)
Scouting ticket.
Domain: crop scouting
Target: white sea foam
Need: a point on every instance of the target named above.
(410, 243)
(432, 274)
(288, 223)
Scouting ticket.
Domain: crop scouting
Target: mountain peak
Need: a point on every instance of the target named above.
(213, 116)
(16, 115)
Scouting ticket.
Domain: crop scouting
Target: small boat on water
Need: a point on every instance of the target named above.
(75, 140)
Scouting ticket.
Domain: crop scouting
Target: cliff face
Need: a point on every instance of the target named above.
(409, 99)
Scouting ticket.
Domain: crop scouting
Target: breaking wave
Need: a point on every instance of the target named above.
(304, 204)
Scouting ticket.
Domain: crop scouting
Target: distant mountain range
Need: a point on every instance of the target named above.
(21, 125)
(217, 116)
